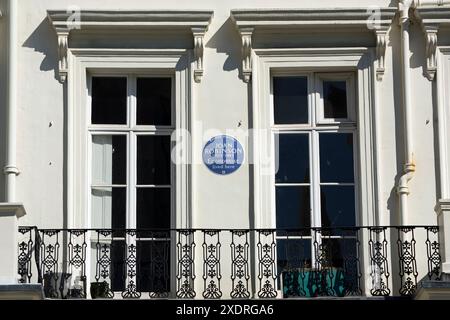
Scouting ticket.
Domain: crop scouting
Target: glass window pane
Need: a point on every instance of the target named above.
(154, 101)
(109, 100)
(338, 206)
(336, 157)
(343, 266)
(109, 207)
(335, 99)
(294, 267)
(293, 207)
(153, 266)
(340, 252)
(293, 254)
(290, 100)
(153, 208)
(153, 160)
(293, 158)
(118, 265)
(109, 159)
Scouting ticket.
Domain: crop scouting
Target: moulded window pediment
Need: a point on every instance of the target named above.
(122, 27)
(314, 23)
(433, 19)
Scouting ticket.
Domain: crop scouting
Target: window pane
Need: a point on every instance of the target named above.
(109, 100)
(335, 99)
(154, 101)
(338, 206)
(109, 159)
(293, 207)
(293, 158)
(118, 265)
(290, 100)
(153, 208)
(340, 252)
(294, 266)
(153, 267)
(336, 157)
(341, 259)
(293, 254)
(153, 160)
(109, 207)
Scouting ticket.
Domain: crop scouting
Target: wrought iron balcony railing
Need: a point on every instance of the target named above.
(237, 264)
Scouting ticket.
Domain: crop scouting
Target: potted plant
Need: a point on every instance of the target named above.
(100, 290)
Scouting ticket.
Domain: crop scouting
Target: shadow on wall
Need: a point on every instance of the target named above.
(44, 40)
(418, 55)
(393, 200)
(227, 40)
(395, 43)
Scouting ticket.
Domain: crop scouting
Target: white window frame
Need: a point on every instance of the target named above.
(350, 85)
(174, 62)
(131, 131)
(443, 104)
(361, 62)
(314, 127)
(303, 61)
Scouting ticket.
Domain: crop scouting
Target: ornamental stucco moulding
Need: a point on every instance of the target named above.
(196, 22)
(249, 20)
(432, 19)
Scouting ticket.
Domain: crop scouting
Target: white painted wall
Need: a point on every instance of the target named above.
(221, 102)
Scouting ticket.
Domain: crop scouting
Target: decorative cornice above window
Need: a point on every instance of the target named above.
(432, 18)
(195, 21)
(376, 20)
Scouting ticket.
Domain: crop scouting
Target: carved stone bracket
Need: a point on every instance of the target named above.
(246, 35)
(199, 34)
(63, 43)
(109, 21)
(267, 22)
(431, 46)
(432, 19)
(381, 51)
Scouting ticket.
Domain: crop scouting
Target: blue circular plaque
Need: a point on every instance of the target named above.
(223, 154)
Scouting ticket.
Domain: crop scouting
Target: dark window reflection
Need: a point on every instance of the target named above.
(338, 206)
(293, 254)
(293, 158)
(340, 253)
(109, 100)
(153, 267)
(293, 207)
(119, 211)
(154, 101)
(153, 208)
(341, 268)
(118, 268)
(336, 157)
(153, 160)
(119, 159)
(290, 100)
(335, 99)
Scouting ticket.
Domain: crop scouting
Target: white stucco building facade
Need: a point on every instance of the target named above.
(354, 94)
